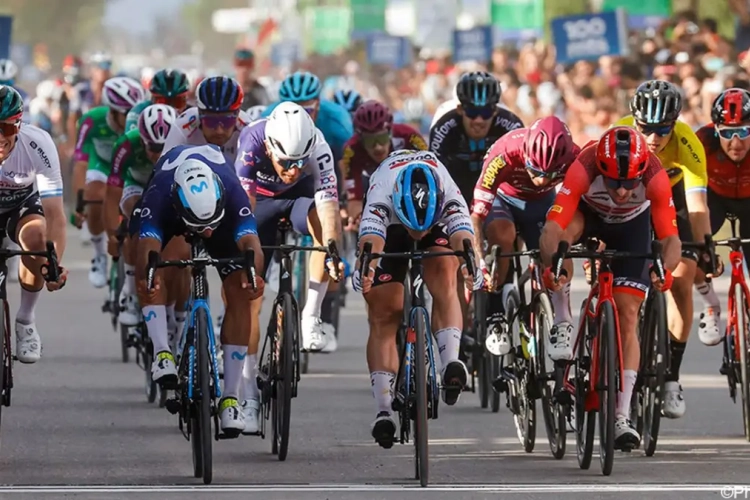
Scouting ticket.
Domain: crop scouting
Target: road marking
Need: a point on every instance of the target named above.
(663, 441)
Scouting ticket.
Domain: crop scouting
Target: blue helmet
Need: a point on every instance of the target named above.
(349, 99)
(418, 196)
(219, 94)
(299, 87)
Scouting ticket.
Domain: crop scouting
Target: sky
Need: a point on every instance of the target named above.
(138, 15)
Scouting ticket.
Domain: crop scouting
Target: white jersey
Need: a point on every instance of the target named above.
(187, 131)
(31, 167)
(379, 212)
(598, 198)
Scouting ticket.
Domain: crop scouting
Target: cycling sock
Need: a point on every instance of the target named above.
(25, 314)
(316, 293)
(249, 377)
(382, 390)
(708, 294)
(676, 350)
(449, 343)
(100, 244)
(234, 362)
(624, 397)
(156, 322)
(561, 304)
(129, 285)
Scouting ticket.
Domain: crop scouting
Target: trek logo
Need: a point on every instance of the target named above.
(199, 188)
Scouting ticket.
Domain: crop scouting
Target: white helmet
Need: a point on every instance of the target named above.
(99, 58)
(46, 89)
(291, 132)
(198, 195)
(121, 93)
(155, 122)
(254, 112)
(8, 70)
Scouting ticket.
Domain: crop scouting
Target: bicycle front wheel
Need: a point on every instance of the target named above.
(286, 325)
(553, 412)
(653, 337)
(742, 333)
(6, 356)
(148, 359)
(206, 396)
(420, 425)
(607, 371)
(585, 421)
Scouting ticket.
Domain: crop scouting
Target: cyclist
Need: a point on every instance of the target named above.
(98, 131)
(31, 210)
(168, 86)
(611, 191)
(376, 136)
(412, 196)
(512, 196)
(41, 107)
(286, 168)
(254, 92)
(195, 191)
(133, 159)
(727, 143)
(655, 107)
(8, 73)
(350, 100)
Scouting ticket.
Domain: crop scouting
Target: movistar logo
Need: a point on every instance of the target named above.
(198, 188)
(238, 356)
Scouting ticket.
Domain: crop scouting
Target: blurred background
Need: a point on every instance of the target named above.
(408, 53)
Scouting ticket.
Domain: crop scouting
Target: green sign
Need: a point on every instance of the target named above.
(368, 16)
(518, 15)
(661, 8)
(328, 29)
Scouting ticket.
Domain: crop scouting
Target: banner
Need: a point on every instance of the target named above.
(368, 16)
(6, 24)
(328, 29)
(642, 14)
(590, 36)
(473, 45)
(393, 51)
(285, 53)
(517, 19)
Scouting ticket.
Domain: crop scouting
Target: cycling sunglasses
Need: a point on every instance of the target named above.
(535, 172)
(8, 129)
(178, 102)
(225, 121)
(369, 141)
(627, 184)
(484, 112)
(311, 108)
(659, 130)
(729, 133)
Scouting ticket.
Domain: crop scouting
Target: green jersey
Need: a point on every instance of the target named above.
(131, 167)
(131, 120)
(96, 140)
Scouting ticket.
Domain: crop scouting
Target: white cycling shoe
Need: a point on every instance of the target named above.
(674, 401)
(164, 370)
(626, 437)
(28, 343)
(231, 418)
(98, 271)
(250, 412)
(130, 314)
(709, 326)
(313, 336)
(332, 342)
(560, 342)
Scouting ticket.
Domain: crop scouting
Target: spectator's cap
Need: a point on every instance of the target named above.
(244, 58)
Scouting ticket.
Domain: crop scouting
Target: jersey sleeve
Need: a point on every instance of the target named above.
(48, 177)
(84, 143)
(493, 172)
(692, 159)
(245, 166)
(176, 137)
(663, 215)
(122, 159)
(576, 183)
(238, 209)
(378, 209)
(322, 166)
(156, 207)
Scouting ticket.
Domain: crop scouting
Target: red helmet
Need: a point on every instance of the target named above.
(548, 144)
(622, 153)
(731, 107)
(72, 61)
(371, 117)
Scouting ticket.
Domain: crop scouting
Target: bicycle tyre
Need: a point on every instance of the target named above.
(148, 359)
(124, 330)
(742, 332)
(285, 366)
(206, 395)
(607, 385)
(524, 412)
(194, 417)
(481, 363)
(653, 369)
(552, 412)
(420, 425)
(300, 294)
(585, 421)
(7, 359)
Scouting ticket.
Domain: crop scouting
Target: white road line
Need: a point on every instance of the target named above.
(681, 441)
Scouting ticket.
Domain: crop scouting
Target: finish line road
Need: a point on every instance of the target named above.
(79, 420)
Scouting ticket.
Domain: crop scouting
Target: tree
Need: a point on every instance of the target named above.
(63, 26)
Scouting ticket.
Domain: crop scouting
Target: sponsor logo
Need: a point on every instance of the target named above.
(481, 209)
(248, 158)
(405, 159)
(417, 142)
(145, 213)
(508, 123)
(493, 169)
(690, 148)
(385, 278)
(452, 208)
(239, 356)
(42, 154)
(441, 241)
(191, 121)
(556, 208)
(381, 211)
(245, 212)
(348, 155)
(199, 188)
(440, 133)
(564, 190)
(324, 161)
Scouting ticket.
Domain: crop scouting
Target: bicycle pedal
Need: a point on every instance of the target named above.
(500, 385)
(724, 370)
(173, 406)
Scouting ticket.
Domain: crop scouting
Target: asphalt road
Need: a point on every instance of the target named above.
(79, 420)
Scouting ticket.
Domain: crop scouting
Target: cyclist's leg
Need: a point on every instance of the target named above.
(708, 326)
(177, 286)
(96, 180)
(385, 303)
(29, 231)
(129, 312)
(679, 309)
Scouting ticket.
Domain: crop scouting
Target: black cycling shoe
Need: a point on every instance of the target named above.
(384, 430)
(454, 381)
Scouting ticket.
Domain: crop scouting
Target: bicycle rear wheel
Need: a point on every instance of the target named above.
(286, 324)
(420, 425)
(554, 413)
(607, 373)
(6, 378)
(742, 333)
(585, 421)
(206, 395)
(520, 402)
(653, 337)
(479, 325)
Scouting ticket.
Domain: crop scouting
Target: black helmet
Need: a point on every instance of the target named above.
(656, 102)
(479, 89)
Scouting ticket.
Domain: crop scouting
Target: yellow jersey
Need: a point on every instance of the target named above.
(683, 157)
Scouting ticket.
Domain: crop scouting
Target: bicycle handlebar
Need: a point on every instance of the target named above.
(81, 203)
(467, 254)
(247, 261)
(331, 250)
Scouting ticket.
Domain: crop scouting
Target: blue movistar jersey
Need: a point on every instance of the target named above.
(335, 123)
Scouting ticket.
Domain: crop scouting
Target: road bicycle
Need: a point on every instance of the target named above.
(198, 384)
(417, 392)
(279, 370)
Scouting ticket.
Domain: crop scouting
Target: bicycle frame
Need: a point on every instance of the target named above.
(737, 279)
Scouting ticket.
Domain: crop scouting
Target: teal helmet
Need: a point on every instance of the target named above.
(11, 103)
(169, 83)
(299, 87)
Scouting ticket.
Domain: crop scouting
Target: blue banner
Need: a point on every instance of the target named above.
(6, 24)
(590, 36)
(473, 45)
(393, 51)
(285, 53)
